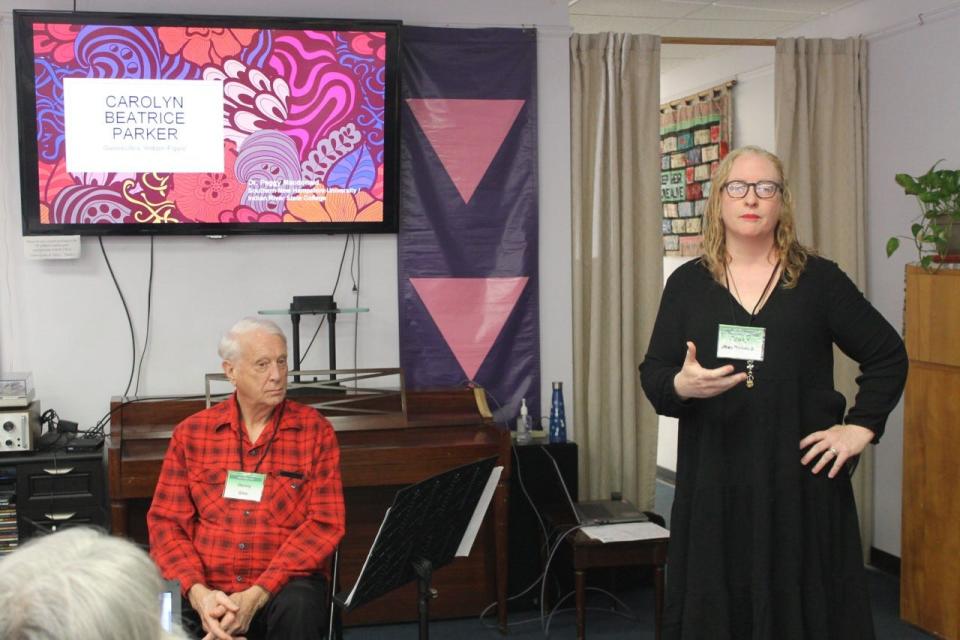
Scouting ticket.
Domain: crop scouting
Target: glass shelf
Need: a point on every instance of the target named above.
(309, 311)
(322, 310)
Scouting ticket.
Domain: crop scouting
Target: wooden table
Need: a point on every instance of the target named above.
(589, 553)
(433, 432)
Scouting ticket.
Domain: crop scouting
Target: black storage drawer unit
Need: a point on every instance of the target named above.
(56, 520)
(57, 490)
(76, 479)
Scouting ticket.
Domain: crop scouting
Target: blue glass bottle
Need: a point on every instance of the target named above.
(558, 419)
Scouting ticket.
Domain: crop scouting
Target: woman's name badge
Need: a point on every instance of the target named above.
(740, 343)
(244, 486)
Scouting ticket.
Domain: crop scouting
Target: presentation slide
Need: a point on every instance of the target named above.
(178, 124)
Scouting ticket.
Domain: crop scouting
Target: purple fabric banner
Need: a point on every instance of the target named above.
(467, 248)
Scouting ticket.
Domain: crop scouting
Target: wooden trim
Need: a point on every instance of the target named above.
(731, 42)
(712, 92)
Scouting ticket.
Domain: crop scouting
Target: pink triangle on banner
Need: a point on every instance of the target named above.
(465, 134)
(470, 313)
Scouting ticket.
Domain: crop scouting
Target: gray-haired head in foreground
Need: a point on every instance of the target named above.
(80, 584)
(229, 348)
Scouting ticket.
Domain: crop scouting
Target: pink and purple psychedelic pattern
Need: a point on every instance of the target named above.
(302, 108)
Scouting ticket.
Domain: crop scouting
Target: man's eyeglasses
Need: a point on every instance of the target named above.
(764, 189)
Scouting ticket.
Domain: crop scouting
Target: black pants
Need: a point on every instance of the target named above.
(297, 612)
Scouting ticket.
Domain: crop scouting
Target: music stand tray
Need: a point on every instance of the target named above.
(428, 525)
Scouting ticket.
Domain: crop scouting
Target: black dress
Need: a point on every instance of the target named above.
(760, 547)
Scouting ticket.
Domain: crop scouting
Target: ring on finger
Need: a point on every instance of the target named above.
(833, 451)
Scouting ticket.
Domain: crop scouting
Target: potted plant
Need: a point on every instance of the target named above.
(932, 232)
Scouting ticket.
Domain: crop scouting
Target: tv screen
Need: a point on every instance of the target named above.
(206, 125)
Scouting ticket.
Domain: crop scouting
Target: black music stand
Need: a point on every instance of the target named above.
(429, 524)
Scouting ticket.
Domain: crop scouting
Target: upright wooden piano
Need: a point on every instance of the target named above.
(431, 432)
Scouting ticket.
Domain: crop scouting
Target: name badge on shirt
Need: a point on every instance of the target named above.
(244, 486)
(740, 343)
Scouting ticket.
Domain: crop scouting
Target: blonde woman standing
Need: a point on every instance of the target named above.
(765, 540)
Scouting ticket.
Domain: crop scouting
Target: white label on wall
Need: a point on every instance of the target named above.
(166, 126)
(51, 247)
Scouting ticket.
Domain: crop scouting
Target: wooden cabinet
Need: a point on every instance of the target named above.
(930, 552)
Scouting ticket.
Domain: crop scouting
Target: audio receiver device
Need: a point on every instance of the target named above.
(19, 428)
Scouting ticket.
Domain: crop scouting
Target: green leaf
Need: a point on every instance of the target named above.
(953, 182)
(910, 186)
(893, 244)
(938, 193)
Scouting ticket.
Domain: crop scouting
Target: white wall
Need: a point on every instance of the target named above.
(913, 93)
(752, 68)
(63, 320)
(905, 135)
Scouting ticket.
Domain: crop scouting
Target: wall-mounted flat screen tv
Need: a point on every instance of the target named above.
(206, 125)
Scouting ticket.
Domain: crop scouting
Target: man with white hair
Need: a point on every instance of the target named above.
(81, 584)
(249, 504)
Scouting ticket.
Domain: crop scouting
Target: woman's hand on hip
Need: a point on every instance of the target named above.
(693, 381)
(835, 446)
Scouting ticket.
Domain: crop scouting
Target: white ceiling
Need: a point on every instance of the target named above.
(698, 18)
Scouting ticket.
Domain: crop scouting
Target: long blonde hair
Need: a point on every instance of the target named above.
(793, 256)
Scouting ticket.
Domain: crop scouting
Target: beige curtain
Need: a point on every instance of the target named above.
(821, 120)
(617, 263)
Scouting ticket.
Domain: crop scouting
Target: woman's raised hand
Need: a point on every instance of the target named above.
(693, 381)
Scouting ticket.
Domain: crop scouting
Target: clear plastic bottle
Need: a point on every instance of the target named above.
(524, 425)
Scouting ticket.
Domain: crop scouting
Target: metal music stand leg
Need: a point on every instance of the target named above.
(424, 571)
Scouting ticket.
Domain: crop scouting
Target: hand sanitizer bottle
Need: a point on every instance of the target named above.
(523, 424)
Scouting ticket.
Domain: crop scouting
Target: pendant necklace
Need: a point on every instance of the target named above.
(729, 278)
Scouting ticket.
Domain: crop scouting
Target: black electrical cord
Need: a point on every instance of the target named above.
(99, 428)
(146, 337)
(322, 317)
(126, 309)
(354, 260)
(356, 304)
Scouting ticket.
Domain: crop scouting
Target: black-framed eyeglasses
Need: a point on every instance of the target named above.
(765, 189)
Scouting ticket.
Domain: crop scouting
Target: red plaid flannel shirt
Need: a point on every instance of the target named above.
(197, 535)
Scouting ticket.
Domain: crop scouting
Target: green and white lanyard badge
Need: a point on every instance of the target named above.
(740, 342)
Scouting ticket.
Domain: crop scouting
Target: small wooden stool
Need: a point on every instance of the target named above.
(589, 553)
